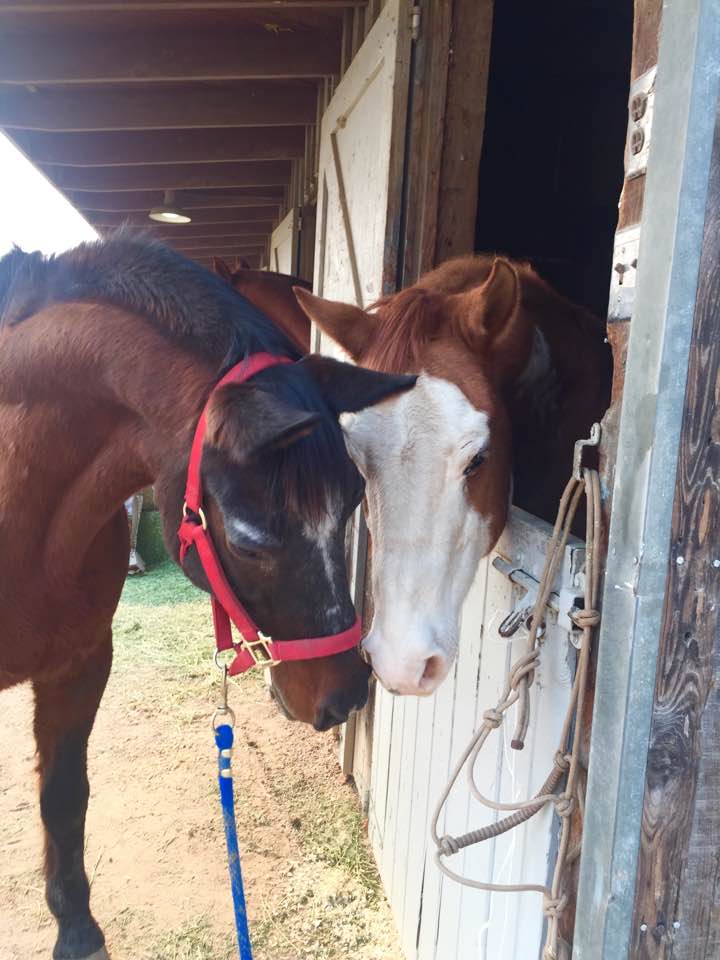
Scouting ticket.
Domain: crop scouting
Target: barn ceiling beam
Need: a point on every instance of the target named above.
(177, 176)
(130, 6)
(146, 56)
(239, 104)
(211, 218)
(199, 217)
(237, 243)
(234, 250)
(257, 228)
(167, 146)
(211, 231)
(253, 260)
(241, 203)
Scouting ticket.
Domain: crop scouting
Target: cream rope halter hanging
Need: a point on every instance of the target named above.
(517, 686)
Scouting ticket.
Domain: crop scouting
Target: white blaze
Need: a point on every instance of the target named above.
(427, 539)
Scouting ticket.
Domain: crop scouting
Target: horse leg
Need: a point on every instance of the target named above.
(64, 715)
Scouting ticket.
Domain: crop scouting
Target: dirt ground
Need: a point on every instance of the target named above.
(155, 848)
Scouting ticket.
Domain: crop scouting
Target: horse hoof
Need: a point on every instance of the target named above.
(100, 954)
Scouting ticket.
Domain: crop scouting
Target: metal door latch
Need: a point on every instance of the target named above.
(563, 604)
(521, 614)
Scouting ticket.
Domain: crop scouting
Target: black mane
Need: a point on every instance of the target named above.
(184, 301)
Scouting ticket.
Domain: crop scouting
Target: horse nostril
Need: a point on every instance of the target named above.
(434, 668)
(330, 713)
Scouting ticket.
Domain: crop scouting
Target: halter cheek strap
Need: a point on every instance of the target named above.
(254, 648)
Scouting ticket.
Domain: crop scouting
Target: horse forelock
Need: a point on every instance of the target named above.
(307, 476)
(406, 322)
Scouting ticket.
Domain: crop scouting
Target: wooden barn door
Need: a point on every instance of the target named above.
(284, 244)
(357, 234)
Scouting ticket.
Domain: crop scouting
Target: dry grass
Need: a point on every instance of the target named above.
(194, 940)
(331, 905)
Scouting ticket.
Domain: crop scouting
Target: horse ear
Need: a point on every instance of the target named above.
(347, 388)
(487, 312)
(350, 327)
(245, 422)
(222, 270)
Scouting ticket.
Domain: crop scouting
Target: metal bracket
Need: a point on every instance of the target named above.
(640, 110)
(563, 604)
(580, 446)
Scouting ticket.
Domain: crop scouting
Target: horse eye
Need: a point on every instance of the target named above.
(242, 551)
(477, 461)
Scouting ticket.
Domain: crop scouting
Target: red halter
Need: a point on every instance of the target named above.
(254, 648)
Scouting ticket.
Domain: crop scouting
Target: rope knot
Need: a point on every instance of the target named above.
(562, 761)
(564, 805)
(586, 618)
(493, 717)
(524, 667)
(554, 907)
(449, 846)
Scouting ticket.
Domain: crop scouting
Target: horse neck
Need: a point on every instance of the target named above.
(107, 404)
(275, 298)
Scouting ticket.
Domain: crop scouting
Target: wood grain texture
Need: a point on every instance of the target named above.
(184, 106)
(128, 147)
(678, 877)
(464, 127)
(243, 199)
(135, 56)
(424, 152)
(176, 176)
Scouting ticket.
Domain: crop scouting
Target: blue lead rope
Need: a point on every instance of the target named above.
(224, 741)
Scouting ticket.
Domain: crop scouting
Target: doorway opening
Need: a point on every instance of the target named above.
(552, 165)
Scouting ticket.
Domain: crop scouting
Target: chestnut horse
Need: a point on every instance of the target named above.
(273, 294)
(511, 374)
(107, 355)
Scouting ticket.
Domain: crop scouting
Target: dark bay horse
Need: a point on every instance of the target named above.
(107, 356)
(511, 374)
(273, 294)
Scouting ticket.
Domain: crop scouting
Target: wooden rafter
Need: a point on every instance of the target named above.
(147, 56)
(262, 215)
(215, 250)
(244, 243)
(210, 232)
(176, 176)
(128, 148)
(241, 202)
(201, 106)
(133, 6)
(253, 260)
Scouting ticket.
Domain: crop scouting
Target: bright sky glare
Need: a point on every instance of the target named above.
(33, 214)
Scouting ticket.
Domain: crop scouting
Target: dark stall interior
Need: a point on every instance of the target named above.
(552, 164)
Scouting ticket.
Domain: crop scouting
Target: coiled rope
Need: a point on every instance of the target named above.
(517, 691)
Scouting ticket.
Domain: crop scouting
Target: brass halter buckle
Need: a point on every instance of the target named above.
(260, 651)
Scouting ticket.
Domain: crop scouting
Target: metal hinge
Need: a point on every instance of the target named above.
(416, 18)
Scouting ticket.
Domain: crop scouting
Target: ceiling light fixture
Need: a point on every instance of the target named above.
(168, 211)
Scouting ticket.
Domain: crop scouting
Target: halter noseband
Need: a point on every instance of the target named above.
(254, 648)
